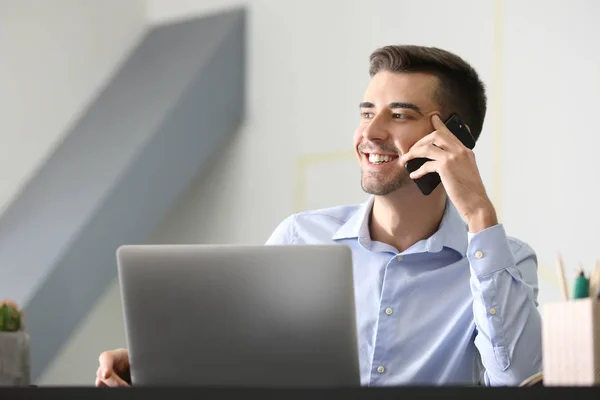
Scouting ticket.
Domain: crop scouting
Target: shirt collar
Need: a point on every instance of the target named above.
(452, 232)
(358, 224)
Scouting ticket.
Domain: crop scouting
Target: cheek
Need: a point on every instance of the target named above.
(404, 143)
(357, 140)
(357, 136)
(406, 138)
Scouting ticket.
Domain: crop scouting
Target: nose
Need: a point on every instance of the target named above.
(376, 129)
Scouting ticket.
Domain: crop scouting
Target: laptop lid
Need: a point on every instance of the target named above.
(226, 315)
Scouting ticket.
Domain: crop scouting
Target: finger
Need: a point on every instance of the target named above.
(437, 138)
(444, 135)
(99, 383)
(115, 381)
(106, 361)
(427, 140)
(103, 373)
(437, 122)
(429, 166)
(432, 152)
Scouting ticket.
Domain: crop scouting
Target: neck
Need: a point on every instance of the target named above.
(405, 217)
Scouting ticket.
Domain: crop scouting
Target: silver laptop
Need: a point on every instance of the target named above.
(268, 316)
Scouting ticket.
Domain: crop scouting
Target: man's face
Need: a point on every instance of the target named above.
(395, 112)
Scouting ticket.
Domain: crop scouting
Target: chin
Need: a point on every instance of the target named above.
(383, 188)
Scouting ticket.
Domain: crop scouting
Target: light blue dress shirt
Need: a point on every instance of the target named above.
(457, 308)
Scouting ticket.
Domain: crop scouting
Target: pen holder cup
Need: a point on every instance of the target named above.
(14, 359)
(571, 343)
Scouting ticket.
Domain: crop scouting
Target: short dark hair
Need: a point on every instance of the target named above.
(460, 90)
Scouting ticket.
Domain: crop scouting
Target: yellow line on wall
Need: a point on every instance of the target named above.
(306, 160)
(300, 194)
(547, 274)
(323, 158)
(498, 126)
(497, 90)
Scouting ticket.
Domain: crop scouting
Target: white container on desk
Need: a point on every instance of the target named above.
(571, 343)
(14, 359)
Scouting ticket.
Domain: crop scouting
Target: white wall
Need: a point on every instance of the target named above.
(55, 56)
(307, 70)
(77, 361)
(551, 85)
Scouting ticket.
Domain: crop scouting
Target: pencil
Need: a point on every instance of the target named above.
(595, 280)
(562, 280)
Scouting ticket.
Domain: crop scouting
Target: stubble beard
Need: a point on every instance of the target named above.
(373, 182)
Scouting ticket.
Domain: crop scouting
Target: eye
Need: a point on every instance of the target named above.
(367, 115)
(399, 116)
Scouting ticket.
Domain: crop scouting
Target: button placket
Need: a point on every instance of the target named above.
(386, 321)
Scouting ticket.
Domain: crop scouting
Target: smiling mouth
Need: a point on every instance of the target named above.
(378, 159)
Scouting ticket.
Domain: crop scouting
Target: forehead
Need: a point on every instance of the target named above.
(414, 87)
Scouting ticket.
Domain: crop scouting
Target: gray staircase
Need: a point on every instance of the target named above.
(171, 107)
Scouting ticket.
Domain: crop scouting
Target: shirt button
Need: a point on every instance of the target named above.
(389, 311)
(479, 254)
(493, 311)
(399, 257)
(380, 369)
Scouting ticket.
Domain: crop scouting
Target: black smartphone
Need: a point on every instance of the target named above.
(427, 183)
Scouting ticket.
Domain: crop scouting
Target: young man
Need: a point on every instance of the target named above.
(443, 295)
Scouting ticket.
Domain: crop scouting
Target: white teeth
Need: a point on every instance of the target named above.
(379, 158)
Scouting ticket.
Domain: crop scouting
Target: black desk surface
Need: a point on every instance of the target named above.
(404, 393)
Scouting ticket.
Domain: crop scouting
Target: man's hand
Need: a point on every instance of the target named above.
(114, 369)
(458, 171)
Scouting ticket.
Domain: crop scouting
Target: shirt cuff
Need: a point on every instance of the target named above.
(489, 251)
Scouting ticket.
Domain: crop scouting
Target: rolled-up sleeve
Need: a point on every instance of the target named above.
(504, 285)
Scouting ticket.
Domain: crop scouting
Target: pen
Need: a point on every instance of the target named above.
(581, 289)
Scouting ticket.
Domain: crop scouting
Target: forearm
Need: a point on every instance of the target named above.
(504, 288)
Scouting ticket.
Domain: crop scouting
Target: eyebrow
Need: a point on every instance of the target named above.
(408, 106)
